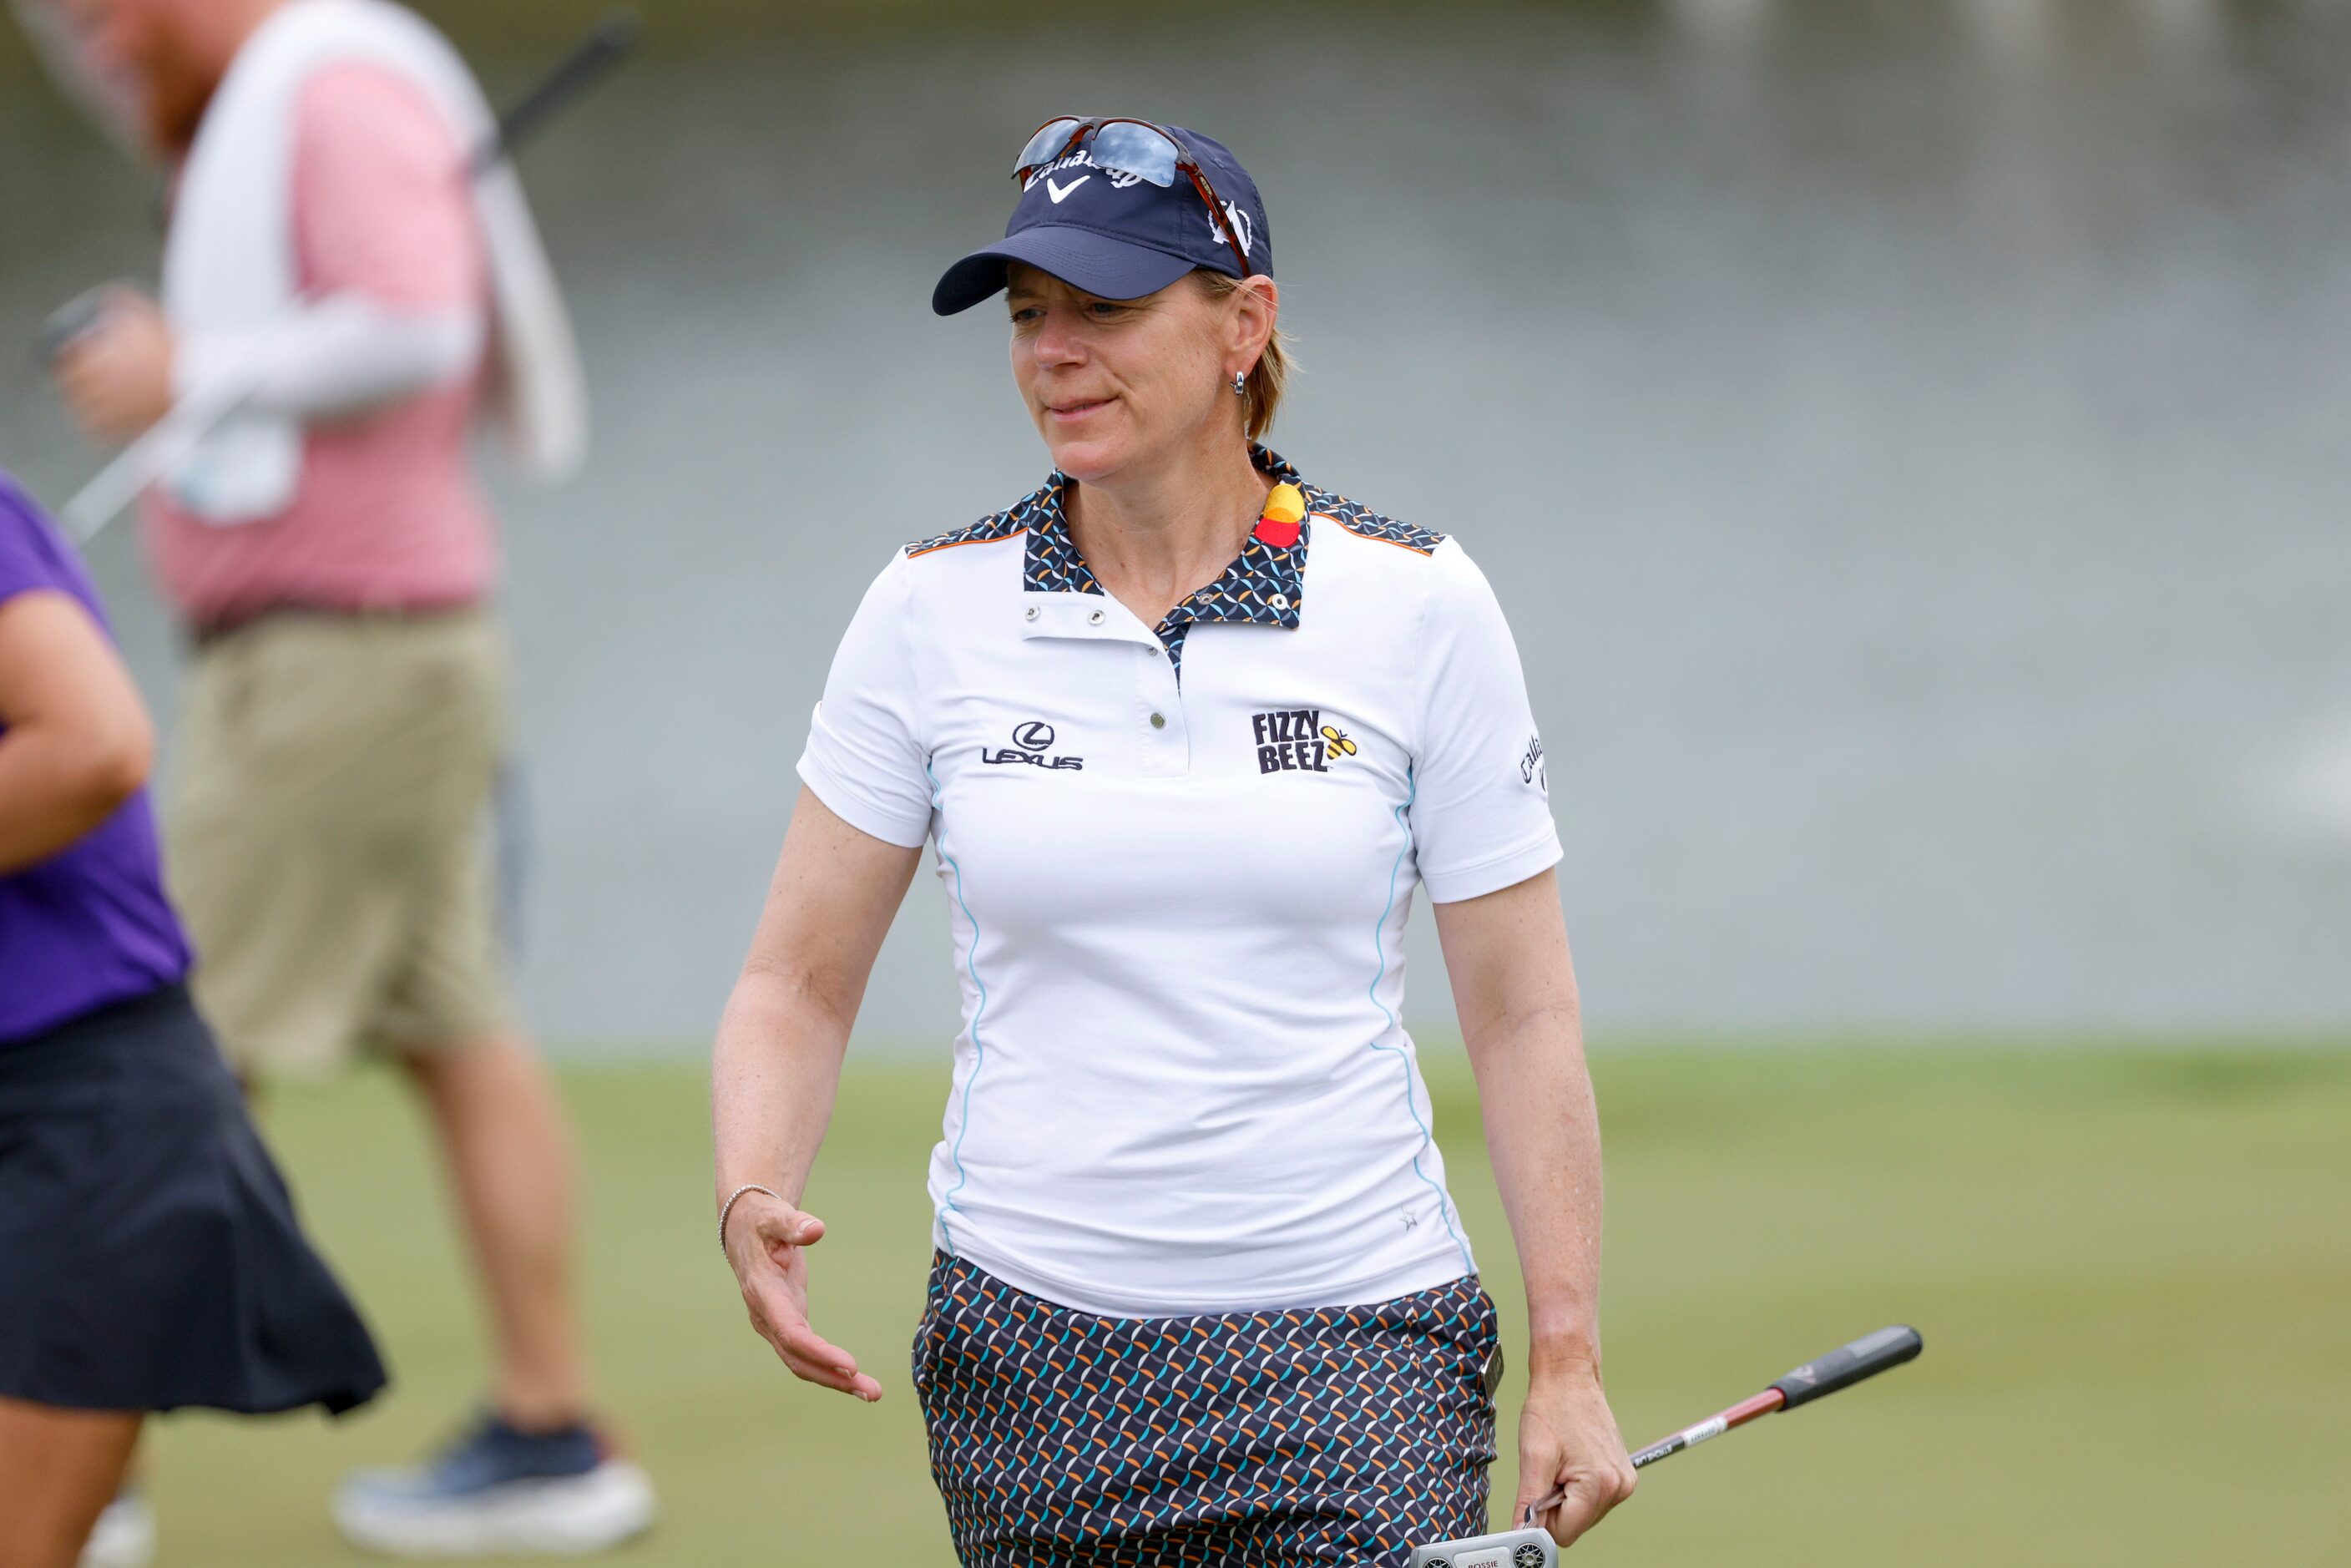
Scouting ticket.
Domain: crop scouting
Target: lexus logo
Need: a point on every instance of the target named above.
(1033, 738)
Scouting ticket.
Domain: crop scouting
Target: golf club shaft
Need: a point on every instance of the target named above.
(588, 63)
(1714, 1426)
(153, 453)
(1822, 1376)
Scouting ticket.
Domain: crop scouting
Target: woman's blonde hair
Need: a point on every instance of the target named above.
(1269, 376)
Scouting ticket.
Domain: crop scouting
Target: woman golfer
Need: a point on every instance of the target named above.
(1188, 730)
(149, 1255)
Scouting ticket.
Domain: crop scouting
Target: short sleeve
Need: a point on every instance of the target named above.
(1481, 809)
(381, 208)
(29, 551)
(865, 759)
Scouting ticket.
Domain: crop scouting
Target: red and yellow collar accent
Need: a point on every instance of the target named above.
(1285, 509)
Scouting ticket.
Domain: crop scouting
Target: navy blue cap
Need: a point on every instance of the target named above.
(1114, 235)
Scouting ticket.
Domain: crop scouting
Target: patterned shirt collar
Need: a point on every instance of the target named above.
(1264, 586)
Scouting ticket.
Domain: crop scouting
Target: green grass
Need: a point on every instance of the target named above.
(2133, 1271)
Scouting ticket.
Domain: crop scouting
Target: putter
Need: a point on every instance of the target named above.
(1529, 1546)
(163, 447)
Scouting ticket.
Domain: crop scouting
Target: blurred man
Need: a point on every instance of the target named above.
(339, 281)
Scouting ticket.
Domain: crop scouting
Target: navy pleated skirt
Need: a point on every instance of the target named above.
(1340, 1434)
(149, 1253)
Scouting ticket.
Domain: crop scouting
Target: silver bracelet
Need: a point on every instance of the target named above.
(728, 1208)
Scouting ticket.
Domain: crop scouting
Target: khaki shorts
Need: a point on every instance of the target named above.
(326, 840)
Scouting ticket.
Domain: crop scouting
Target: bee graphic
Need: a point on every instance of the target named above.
(1337, 740)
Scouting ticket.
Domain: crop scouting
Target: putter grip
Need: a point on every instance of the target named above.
(69, 321)
(1848, 1364)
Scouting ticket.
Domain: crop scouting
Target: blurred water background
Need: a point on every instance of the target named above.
(1908, 437)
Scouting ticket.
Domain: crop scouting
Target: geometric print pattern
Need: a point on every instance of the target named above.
(1264, 585)
(1363, 521)
(1004, 525)
(1277, 1439)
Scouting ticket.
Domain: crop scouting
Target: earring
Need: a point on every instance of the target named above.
(1240, 384)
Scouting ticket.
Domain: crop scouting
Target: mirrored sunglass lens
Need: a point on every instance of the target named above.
(1047, 144)
(1137, 150)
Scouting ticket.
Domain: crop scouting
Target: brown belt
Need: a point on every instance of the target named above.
(213, 631)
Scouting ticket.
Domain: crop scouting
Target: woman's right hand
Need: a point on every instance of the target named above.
(767, 1242)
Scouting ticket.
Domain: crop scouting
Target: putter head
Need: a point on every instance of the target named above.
(69, 322)
(1510, 1549)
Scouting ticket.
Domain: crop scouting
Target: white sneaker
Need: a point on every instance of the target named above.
(497, 1492)
(124, 1535)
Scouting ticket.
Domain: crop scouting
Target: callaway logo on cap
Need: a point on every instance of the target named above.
(1095, 214)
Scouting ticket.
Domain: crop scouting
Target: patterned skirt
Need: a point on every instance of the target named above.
(1340, 1434)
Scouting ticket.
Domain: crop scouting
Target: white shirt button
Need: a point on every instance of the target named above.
(1159, 721)
(1153, 650)
(1095, 619)
(1029, 614)
(1281, 601)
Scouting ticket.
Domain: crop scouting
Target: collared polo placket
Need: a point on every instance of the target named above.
(1263, 586)
(1161, 736)
(1165, 734)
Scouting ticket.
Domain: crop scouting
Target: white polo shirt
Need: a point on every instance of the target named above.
(1179, 862)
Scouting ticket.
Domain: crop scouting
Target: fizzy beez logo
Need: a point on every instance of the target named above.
(1296, 740)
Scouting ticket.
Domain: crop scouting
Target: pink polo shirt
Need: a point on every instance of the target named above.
(387, 514)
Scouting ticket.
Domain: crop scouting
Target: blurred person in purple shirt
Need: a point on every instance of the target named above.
(83, 920)
(149, 1258)
(370, 299)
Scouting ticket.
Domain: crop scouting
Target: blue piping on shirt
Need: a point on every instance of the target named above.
(979, 1051)
(1379, 947)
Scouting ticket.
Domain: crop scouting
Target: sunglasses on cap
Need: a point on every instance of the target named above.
(1126, 146)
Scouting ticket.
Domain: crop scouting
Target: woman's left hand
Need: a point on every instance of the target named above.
(1568, 1441)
